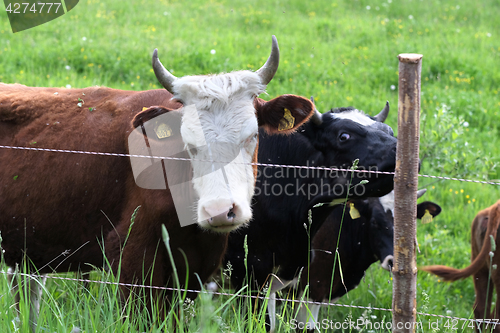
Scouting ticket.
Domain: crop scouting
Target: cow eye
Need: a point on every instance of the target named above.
(344, 137)
(251, 138)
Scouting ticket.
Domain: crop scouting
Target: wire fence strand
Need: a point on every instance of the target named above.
(225, 294)
(318, 168)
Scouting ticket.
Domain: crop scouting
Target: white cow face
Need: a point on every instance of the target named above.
(220, 132)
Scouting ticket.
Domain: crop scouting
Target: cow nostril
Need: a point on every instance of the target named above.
(390, 264)
(219, 217)
(231, 215)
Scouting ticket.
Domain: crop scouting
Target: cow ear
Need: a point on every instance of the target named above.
(148, 114)
(284, 114)
(428, 206)
(495, 213)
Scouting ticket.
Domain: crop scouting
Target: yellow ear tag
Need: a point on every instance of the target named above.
(287, 121)
(354, 212)
(163, 131)
(144, 108)
(427, 218)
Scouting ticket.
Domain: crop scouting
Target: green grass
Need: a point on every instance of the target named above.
(339, 51)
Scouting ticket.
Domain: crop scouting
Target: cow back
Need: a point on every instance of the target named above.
(64, 203)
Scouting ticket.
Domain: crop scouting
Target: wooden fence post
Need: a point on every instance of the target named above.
(404, 301)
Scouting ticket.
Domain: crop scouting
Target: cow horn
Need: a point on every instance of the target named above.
(421, 192)
(382, 116)
(316, 116)
(162, 75)
(267, 71)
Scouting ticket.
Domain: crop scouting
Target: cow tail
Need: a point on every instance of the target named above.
(453, 274)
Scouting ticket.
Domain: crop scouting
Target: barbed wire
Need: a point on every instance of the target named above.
(289, 300)
(251, 163)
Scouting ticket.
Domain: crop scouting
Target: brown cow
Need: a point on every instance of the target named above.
(60, 210)
(484, 226)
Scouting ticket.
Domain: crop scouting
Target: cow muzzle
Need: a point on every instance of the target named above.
(224, 218)
(220, 218)
(388, 263)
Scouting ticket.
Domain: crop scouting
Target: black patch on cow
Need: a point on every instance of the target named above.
(342, 109)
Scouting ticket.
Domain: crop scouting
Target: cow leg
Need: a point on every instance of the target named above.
(496, 282)
(482, 304)
(271, 310)
(307, 316)
(35, 295)
(276, 285)
(496, 315)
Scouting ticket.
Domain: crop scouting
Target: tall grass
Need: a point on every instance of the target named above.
(344, 53)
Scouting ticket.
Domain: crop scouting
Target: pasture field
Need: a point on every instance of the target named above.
(342, 52)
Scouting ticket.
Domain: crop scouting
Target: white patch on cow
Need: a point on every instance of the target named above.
(387, 201)
(223, 120)
(356, 116)
(212, 286)
(387, 263)
(271, 308)
(308, 315)
(276, 285)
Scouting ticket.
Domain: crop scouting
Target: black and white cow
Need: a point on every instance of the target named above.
(278, 234)
(351, 238)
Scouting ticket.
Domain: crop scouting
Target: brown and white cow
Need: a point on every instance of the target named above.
(484, 228)
(63, 211)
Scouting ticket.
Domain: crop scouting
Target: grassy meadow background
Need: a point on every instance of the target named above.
(343, 52)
